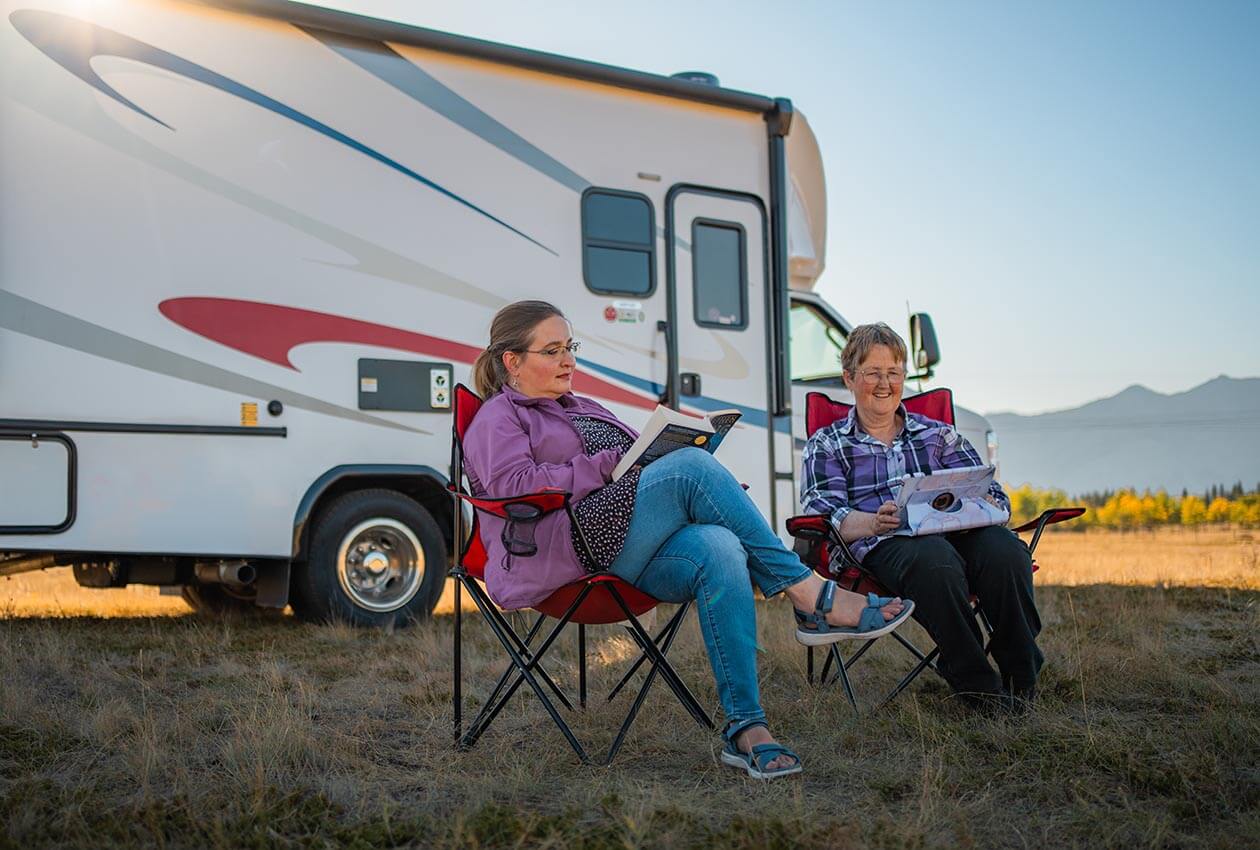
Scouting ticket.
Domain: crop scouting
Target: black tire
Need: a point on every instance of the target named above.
(218, 600)
(379, 531)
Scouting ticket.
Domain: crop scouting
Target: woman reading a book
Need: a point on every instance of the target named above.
(678, 528)
(850, 470)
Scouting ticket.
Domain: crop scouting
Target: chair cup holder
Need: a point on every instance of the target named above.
(518, 533)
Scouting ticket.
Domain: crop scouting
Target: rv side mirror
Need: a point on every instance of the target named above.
(924, 350)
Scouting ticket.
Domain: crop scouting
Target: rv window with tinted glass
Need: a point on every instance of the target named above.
(618, 243)
(719, 274)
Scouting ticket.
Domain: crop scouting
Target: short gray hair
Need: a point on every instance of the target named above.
(863, 338)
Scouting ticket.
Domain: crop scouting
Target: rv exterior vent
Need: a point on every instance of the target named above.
(697, 77)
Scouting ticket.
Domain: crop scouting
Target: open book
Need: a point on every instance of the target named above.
(667, 430)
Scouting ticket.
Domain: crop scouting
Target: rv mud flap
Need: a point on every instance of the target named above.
(273, 584)
(37, 482)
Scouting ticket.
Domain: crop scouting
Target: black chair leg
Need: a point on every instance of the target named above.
(658, 660)
(503, 630)
(809, 664)
(634, 668)
(910, 677)
(525, 673)
(842, 674)
(703, 718)
(862, 650)
(523, 647)
(456, 695)
(582, 664)
(671, 677)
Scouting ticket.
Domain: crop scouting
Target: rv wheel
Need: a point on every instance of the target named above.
(376, 559)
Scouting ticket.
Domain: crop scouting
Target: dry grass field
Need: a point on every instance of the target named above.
(126, 721)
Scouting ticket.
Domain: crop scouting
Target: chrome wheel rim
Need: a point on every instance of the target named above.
(380, 564)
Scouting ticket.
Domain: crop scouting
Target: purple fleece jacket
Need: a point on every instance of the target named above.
(517, 445)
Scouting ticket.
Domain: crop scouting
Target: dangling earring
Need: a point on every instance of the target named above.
(515, 383)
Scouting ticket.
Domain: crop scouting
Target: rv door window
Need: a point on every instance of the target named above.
(617, 243)
(719, 274)
(816, 345)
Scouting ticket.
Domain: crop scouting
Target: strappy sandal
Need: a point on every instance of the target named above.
(812, 629)
(754, 762)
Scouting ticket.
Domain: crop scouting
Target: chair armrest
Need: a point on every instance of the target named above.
(809, 527)
(1048, 517)
(543, 503)
(529, 508)
(816, 529)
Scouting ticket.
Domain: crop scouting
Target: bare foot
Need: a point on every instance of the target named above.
(750, 738)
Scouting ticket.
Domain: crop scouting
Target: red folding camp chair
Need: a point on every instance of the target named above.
(599, 598)
(815, 537)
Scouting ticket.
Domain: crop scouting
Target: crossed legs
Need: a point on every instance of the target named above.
(696, 534)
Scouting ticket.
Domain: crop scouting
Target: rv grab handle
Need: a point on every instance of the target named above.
(663, 327)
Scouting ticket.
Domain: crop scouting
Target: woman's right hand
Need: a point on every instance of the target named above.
(864, 524)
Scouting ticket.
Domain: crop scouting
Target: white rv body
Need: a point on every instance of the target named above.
(215, 213)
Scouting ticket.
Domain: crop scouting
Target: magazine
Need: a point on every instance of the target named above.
(947, 500)
(668, 429)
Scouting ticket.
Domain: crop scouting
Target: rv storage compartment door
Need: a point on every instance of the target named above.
(36, 483)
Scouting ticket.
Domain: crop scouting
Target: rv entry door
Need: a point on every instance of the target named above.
(720, 311)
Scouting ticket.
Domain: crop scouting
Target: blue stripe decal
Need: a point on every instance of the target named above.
(73, 44)
(386, 64)
(752, 415)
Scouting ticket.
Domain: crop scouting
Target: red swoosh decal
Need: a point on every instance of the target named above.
(271, 331)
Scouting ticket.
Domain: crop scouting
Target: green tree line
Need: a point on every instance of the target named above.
(1128, 509)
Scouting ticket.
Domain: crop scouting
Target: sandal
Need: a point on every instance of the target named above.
(754, 762)
(812, 629)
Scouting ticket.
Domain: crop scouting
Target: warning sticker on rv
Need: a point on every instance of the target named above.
(624, 311)
(249, 414)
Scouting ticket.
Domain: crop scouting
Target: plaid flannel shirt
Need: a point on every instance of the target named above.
(845, 469)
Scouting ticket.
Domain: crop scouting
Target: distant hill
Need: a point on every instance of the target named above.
(1139, 438)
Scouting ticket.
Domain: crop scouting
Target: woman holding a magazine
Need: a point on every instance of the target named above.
(677, 525)
(852, 474)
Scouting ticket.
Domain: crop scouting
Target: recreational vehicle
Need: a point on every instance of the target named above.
(247, 248)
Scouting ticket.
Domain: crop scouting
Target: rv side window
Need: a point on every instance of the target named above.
(719, 274)
(618, 248)
(816, 345)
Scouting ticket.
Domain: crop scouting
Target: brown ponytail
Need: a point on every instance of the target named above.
(512, 329)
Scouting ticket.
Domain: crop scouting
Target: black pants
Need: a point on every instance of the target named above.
(940, 572)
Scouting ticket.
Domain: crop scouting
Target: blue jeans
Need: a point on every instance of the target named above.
(695, 534)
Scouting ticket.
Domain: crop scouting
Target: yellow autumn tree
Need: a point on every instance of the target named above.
(1193, 511)
(1218, 511)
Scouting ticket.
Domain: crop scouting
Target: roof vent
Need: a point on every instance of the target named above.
(702, 77)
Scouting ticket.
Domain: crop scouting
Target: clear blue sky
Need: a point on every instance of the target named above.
(1071, 189)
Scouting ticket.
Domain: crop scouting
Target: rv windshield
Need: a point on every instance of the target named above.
(816, 345)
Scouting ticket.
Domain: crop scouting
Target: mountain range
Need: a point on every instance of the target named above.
(1139, 438)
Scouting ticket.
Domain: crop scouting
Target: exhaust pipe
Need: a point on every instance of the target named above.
(26, 563)
(236, 574)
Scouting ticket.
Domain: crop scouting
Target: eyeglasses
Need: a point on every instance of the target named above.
(555, 351)
(874, 377)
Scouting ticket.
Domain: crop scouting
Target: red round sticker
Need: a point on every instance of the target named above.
(610, 313)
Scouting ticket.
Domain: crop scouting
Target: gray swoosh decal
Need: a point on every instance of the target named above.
(73, 43)
(35, 320)
(383, 62)
(370, 258)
